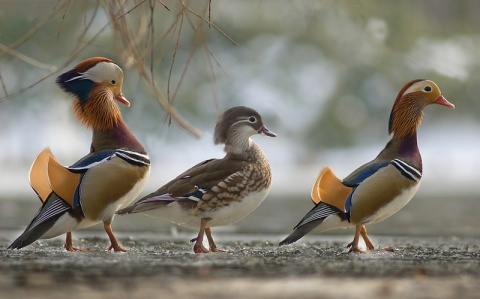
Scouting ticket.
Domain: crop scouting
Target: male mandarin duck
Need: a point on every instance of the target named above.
(216, 192)
(110, 177)
(380, 188)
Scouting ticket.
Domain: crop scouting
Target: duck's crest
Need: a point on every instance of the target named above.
(90, 62)
(69, 83)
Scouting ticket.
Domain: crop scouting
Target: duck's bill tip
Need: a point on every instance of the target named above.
(122, 99)
(266, 131)
(442, 101)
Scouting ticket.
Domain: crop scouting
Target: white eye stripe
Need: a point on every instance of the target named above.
(420, 86)
(243, 120)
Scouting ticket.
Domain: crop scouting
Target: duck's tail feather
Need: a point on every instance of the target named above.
(322, 217)
(46, 217)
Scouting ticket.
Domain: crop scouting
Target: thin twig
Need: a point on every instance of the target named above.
(63, 19)
(26, 59)
(164, 5)
(71, 58)
(132, 9)
(33, 30)
(208, 22)
(123, 32)
(170, 71)
(3, 85)
(209, 13)
(152, 35)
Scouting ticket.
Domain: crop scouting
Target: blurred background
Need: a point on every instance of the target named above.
(323, 74)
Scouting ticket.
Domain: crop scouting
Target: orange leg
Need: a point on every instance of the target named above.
(198, 247)
(211, 243)
(69, 244)
(354, 244)
(369, 243)
(113, 241)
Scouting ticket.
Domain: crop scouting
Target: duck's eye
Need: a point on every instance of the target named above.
(113, 82)
(252, 119)
(427, 88)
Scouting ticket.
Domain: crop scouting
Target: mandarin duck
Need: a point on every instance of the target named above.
(216, 192)
(110, 177)
(381, 187)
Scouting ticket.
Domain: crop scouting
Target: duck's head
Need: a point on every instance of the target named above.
(235, 126)
(407, 111)
(95, 83)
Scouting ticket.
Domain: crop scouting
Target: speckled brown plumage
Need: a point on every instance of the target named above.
(217, 191)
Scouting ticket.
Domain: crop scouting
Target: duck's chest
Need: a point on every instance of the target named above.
(111, 186)
(381, 196)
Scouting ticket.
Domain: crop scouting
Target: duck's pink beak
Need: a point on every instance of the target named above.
(266, 131)
(121, 98)
(442, 101)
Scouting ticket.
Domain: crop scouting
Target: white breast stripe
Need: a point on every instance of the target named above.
(135, 154)
(134, 158)
(407, 170)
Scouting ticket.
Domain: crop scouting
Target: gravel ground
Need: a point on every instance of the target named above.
(253, 266)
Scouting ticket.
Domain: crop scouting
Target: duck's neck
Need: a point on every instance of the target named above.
(99, 111)
(119, 136)
(406, 117)
(247, 151)
(405, 148)
(238, 145)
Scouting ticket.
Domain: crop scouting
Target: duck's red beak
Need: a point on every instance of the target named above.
(121, 98)
(442, 101)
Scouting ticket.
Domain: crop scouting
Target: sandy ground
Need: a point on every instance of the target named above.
(160, 262)
(164, 266)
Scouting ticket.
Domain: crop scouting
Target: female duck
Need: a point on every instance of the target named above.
(216, 192)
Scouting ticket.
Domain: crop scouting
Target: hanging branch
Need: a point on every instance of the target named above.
(131, 52)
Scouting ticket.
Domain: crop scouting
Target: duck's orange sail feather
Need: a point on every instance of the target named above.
(329, 189)
(47, 175)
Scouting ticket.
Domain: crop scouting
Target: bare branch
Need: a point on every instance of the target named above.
(209, 23)
(164, 5)
(123, 32)
(33, 30)
(3, 85)
(26, 59)
(173, 59)
(63, 19)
